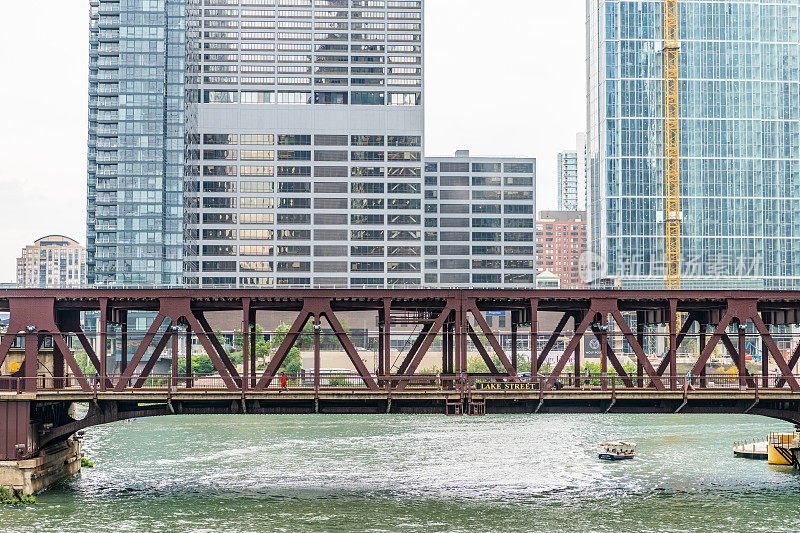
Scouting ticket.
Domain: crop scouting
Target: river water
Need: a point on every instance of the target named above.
(418, 473)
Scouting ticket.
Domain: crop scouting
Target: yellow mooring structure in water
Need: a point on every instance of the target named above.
(779, 448)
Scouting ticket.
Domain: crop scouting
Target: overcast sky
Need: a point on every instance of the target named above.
(504, 77)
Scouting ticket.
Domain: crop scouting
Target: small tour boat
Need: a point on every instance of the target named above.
(617, 451)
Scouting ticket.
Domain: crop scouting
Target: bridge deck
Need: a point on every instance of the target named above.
(160, 394)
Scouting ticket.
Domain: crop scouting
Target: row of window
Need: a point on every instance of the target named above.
(479, 222)
(304, 187)
(338, 4)
(488, 168)
(336, 250)
(305, 266)
(303, 171)
(485, 209)
(305, 235)
(320, 219)
(451, 250)
(261, 202)
(304, 140)
(479, 264)
(305, 97)
(480, 279)
(217, 281)
(302, 155)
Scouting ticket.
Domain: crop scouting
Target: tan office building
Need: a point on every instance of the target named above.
(53, 261)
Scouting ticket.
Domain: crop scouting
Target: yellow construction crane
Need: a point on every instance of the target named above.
(672, 199)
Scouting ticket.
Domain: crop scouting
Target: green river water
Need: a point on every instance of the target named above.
(418, 473)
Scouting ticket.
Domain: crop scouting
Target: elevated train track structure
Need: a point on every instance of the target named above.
(35, 408)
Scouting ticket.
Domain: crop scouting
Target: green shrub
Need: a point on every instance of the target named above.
(85, 463)
(8, 497)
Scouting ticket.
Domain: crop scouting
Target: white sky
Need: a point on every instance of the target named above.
(503, 77)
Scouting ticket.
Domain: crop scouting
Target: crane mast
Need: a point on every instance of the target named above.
(672, 200)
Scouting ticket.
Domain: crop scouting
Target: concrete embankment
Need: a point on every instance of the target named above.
(29, 476)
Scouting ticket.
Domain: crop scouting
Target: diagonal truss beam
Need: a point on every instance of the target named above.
(426, 343)
(221, 353)
(612, 357)
(140, 351)
(664, 364)
(785, 369)
(719, 331)
(283, 350)
(637, 348)
(482, 350)
(205, 341)
(8, 339)
(573, 344)
(733, 353)
(490, 336)
(553, 339)
(58, 340)
(791, 364)
(351, 351)
(414, 348)
(151, 363)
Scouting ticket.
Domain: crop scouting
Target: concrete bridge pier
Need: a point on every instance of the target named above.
(25, 468)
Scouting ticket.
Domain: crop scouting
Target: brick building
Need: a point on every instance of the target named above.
(560, 241)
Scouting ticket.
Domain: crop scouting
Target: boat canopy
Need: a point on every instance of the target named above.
(620, 444)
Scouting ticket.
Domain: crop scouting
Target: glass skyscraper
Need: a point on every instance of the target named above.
(739, 146)
(136, 147)
(278, 143)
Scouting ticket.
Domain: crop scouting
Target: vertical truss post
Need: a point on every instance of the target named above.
(446, 363)
(174, 366)
(251, 321)
(317, 358)
(246, 335)
(604, 350)
(387, 337)
(461, 332)
(640, 340)
(764, 364)
(124, 341)
(673, 344)
(703, 327)
(103, 344)
(381, 358)
(576, 320)
(189, 357)
(534, 341)
(514, 340)
(741, 328)
(31, 362)
(59, 370)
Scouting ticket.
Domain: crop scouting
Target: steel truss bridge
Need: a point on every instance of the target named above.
(35, 409)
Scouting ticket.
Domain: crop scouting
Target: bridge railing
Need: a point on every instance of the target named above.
(342, 380)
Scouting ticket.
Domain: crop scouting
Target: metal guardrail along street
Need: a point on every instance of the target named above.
(333, 381)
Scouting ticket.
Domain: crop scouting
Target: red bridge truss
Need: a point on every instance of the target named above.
(642, 338)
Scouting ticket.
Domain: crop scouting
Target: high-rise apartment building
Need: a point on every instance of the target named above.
(568, 180)
(263, 143)
(571, 164)
(53, 261)
(136, 142)
(256, 142)
(304, 157)
(480, 221)
(739, 142)
(561, 240)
